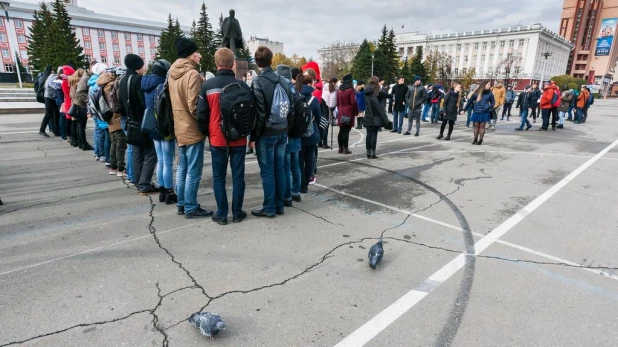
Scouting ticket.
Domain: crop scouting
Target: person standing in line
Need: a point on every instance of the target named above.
(589, 103)
(581, 104)
(375, 116)
(427, 106)
(535, 96)
(399, 104)
(66, 106)
(523, 104)
(82, 118)
(416, 97)
(118, 139)
(565, 103)
(329, 95)
(102, 140)
(508, 104)
(482, 101)
(546, 106)
(435, 96)
(222, 150)
(360, 101)
(152, 85)
(56, 85)
(303, 85)
(348, 110)
(500, 98)
(453, 104)
(52, 112)
(573, 105)
(269, 136)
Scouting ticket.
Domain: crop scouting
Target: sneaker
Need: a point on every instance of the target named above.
(519, 129)
(102, 159)
(416, 134)
(493, 127)
(44, 134)
(149, 191)
(288, 203)
(108, 165)
(96, 158)
(199, 213)
(528, 127)
(262, 213)
(313, 180)
(304, 190)
(407, 133)
(121, 174)
(393, 131)
(181, 210)
(240, 217)
(219, 220)
(296, 198)
(113, 172)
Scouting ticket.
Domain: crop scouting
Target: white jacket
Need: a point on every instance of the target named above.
(330, 98)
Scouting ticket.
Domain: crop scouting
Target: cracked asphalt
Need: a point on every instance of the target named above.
(85, 261)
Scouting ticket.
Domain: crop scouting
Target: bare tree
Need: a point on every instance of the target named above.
(510, 66)
(337, 59)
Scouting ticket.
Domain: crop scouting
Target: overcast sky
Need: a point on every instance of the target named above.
(303, 28)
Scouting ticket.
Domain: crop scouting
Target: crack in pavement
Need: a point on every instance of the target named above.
(316, 216)
(40, 150)
(155, 318)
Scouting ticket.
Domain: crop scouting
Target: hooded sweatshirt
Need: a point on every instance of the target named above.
(318, 85)
(184, 84)
(66, 90)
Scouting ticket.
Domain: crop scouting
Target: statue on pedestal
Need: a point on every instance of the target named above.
(232, 35)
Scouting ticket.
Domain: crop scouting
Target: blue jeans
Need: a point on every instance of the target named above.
(165, 162)
(189, 174)
(524, 118)
(426, 109)
(219, 172)
(97, 150)
(130, 163)
(397, 120)
(468, 118)
(103, 143)
(434, 112)
(271, 157)
(292, 169)
(579, 115)
(571, 113)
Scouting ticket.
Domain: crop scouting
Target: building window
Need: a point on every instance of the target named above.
(24, 54)
(114, 35)
(129, 49)
(8, 68)
(491, 57)
(88, 58)
(476, 45)
(456, 71)
(116, 60)
(2, 37)
(21, 39)
(18, 23)
(501, 43)
(517, 70)
(86, 31)
(465, 58)
(127, 36)
(474, 58)
(459, 47)
(456, 59)
(512, 43)
(481, 70)
(5, 53)
(140, 49)
(153, 50)
(464, 70)
(482, 58)
(116, 47)
(87, 45)
(484, 45)
(102, 46)
(100, 33)
(493, 44)
(1, 22)
(140, 37)
(467, 46)
(521, 42)
(104, 59)
(152, 38)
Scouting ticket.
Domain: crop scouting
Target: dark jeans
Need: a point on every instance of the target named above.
(451, 123)
(524, 118)
(62, 124)
(398, 120)
(81, 132)
(344, 136)
(506, 110)
(324, 137)
(307, 162)
(72, 125)
(546, 112)
(271, 158)
(236, 156)
(585, 112)
(117, 150)
(52, 114)
(534, 114)
(144, 163)
(372, 138)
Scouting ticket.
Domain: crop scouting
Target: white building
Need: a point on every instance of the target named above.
(254, 42)
(105, 38)
(486, 51)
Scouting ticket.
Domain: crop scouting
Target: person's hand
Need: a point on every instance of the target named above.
(88, 115)
(252, 144)
(461, 112)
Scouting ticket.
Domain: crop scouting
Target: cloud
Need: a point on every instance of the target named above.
(303, 27)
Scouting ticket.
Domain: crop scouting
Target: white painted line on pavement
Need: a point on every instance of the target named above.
(361, 139)
(373, 327)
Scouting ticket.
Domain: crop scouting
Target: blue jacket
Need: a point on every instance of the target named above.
(149, 86)
(486, 104)
(510, 95)
(360, 100)
(316, 110)
(92, 83)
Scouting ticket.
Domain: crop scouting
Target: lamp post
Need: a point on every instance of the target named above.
(5, 6)
(372, 56)
(544, 55)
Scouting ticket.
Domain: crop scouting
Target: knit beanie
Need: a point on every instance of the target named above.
(347, 78)
(284, 71)
(417, 78)
(99, 68)
(133, 62)
(161, 67)
(185, 47)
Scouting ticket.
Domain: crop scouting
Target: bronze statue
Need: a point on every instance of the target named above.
(232, 35)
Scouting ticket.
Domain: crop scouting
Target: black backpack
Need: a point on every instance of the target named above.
(39, 84)
(301, 115)
(238, 111)
(163, 112)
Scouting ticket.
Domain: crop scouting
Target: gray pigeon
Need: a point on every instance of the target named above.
(209, 323)
(376, 252)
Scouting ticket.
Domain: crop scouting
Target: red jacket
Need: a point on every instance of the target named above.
(66, 90)
(548, 94)
(346, 104)
(318, 85)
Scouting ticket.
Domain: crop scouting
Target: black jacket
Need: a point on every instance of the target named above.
(263, 88)
(399, 95)
(451, 106)
(524, 101)
(416, 97)
(132, 96)
(535, 95)
(375, 116)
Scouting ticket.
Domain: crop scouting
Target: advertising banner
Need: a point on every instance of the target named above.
(606, 37)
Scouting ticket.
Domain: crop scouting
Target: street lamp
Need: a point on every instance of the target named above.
(544, 55)
(5, 6)
(372, 56)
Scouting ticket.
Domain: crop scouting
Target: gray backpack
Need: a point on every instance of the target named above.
(279, 109)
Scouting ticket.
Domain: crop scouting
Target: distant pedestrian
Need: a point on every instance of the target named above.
(500, 98)
(329, 95)
(416, 97)
(453, 105)
(548, 107)
(348, 110)
(523, 104)
(565, 103)
(535, 99)
(375, 117)
(582, 99)
(360, 101)
(482, 101)
(508, 104)
(399, 104)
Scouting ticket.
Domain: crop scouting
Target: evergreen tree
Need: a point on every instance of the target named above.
(167, 40)
(218, 36)
(38, 39)
(20, 65)
(417, 68)
(64, 47)
(204, 38)
(361, 64)
(386, 62)
(406, 72)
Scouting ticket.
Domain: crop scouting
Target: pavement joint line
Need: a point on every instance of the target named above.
(386, 317)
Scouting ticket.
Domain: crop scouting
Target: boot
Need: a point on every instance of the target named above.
(448, 137)
(361, 122)
(475, 141)
(340, 150)
(171, 197)
(368, 154)
(480, 142)
(439, 136)
(373, 154)
(162, 194)
(346, 150)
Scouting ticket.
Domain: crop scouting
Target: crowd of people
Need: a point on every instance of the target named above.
(287, 158)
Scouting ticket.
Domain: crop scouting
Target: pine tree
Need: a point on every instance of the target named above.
(38, 39)
(204, 38)
(167, 40)
(361, 64)
(417, 68)
(65, 48)
(386, 62)
(20, 65)
(218, 37)
(405, 72)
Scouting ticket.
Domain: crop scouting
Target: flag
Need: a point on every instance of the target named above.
(402, 26)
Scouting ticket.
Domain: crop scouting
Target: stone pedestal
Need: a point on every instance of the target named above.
(242, 66)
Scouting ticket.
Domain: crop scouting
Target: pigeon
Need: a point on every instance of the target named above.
(376, 252)
(209, 323)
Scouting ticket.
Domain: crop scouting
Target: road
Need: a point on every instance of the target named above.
(511, 243)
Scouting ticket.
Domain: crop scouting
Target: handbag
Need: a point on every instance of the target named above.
(77, 112)
(149, 122)
(346, 121)
(135, 136)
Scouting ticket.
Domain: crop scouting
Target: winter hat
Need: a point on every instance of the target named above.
(99, 68)
(133, 62)
(185, 47)
(361, 82)
(295, 72)
(354, 82)
(284, 71)
(347, 78)
(209, 75)
(313, 65)
(417, 78)
(161, 67)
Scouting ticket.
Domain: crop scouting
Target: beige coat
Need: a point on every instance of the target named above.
(185, 83)
(106, 82)
(499, 95)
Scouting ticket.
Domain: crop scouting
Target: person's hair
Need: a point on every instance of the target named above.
(359, 87)
(92, 63)
(60, 71)
(479, 91)
(373, 81)
(303, 80)
(224, 57)
(263, 57)
(459, 93)
(74, 78)
(331, 84)
(312, 73)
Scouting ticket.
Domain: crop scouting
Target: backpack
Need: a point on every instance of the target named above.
(237, 111)
(163, 112)
(279, 109)
(590, 100)
(309, 116)
(114, 97)
(301, 116)
(101, 106)
(555, 98)
(39, 88)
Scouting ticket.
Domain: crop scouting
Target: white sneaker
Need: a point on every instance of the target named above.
(108, 165)
(121, 174)
(102, 159)
(113, 172)
(493, 127)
